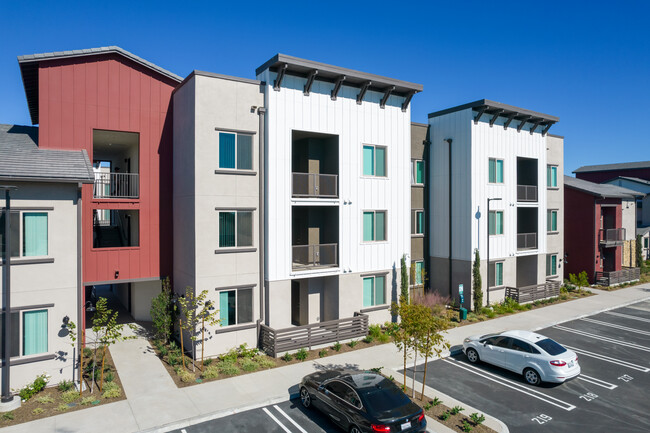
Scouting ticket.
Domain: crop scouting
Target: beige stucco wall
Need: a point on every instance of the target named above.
(555, 200)
(47, 283)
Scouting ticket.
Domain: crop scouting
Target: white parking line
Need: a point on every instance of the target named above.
(627, 316)
(183, 431)
(290, 420)
(609, 359)
(614, 325)
(597, 382)
(601, 338)
(276, 420)
(512, 385)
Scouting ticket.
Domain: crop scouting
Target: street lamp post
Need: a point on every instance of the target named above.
(7, 397)
(488, 245)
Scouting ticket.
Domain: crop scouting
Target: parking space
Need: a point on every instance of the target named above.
(285, 417)
(610, 394)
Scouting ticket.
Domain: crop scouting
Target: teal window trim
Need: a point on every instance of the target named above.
(495, 170)
(35, 334)
(418, 222)
(419, 267)
(374, 226)
(496, 274)
(375, 160)
(235, 151)
(551, 176)
(231, 309)
(551, 221)
(29, 233)
(374, 290)
(418, 174)
(495, 222)
(551, 265)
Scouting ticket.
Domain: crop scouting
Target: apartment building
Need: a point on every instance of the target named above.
(494, 180)
(419, 276)
(604, 172)
(45, 264)
(600, 233)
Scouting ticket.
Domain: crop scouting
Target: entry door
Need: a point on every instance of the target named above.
(295, 303)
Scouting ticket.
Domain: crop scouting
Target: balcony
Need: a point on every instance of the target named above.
(611, 237)
(526, 193)
(314, 185)
(526, 241)
(307, 257)
(617, 277)
(277, 341)
(116, 185)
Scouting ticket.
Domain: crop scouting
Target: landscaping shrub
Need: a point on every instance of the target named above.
(70, 396)
(436, 401)
(436, 303)
(247, 364)
(172, 359)
(186, 376)
(374, 331)
(264, 361)
(477, 419)
(456, 409)
(207, 362)
(353, 343)
(467, 427)
(8, 416)
(367, 339)
(211, 372)
(246, 352)
(287, 357)
(231, 356)
(111, 390)
(228, 368)
(109, 376)
(322, 353)
(31, 389)
(383, 337)
(65, 385)
(163, 351)
(38, 411)
(445, 416)
(87, 400)
(46, 399)
(88, 353)
(337, 346)
(62, 407)
(301, 354)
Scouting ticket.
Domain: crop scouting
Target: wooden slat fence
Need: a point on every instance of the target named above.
(533, 293)
(618, 277)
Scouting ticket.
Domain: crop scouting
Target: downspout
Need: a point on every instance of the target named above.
(449, 140)
(81, 307)
(262, 216)
(427, 209)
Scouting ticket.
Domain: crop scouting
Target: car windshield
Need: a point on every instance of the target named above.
(551, 347)
(384, 397)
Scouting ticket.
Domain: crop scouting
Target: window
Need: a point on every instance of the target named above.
(417, 227)
(374, 160)
(29, 236)
(495, 222)
(551, 265)
(417, 175)
(235, 229)
(551, 221)
(374, 226)
(551, 176)
(496, 274)
(522, 346)
(418, 271)
(374, 290)
(235, 151)
(236, 306)
(32, 337)
(495, 170)
(645, 243)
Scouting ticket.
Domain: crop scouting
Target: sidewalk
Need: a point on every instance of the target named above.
(154, 403)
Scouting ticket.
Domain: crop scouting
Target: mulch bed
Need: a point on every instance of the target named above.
(25, 412)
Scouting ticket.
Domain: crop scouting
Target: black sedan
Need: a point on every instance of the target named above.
(361, 401)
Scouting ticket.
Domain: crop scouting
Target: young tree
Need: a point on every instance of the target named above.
(404, 286)
(162, 312)
(400, 331)
(207, 314)
(639, 254)
(432, 326)
(72, 335)
(477, 282)
(194, 311)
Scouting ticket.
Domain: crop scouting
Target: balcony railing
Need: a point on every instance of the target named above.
(617, 277)
(315, 185)
(276, 341)
(526, 241)
(611, 237)
(315, 256)
(116, 185)
(527, 193)
(534, 292)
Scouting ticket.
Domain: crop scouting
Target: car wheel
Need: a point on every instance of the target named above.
(472, 356)
(532, 377)
(355, 429)
(305, 398)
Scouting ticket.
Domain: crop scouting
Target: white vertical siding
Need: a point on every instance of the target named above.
(288, 110)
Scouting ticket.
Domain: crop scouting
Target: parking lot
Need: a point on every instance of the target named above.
(610, 395)
(285, 417)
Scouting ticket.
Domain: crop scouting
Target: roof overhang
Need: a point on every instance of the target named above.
(515, 116)
(29, 65)
(288, 65)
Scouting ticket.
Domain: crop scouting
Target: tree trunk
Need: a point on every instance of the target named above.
(404, 366)
(426, 360)
(81, 364)
(180, 329)
(101, 382)
(202, 340)
(415, 360)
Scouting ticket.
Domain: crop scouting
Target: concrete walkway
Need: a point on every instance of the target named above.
(154, 403)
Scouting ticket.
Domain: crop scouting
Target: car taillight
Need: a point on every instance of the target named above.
(421, 417)
(380, 427)
(558, 363)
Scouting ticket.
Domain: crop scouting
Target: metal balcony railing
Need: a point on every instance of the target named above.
(315, 256)
(527, 193)
(611, 237)
(116, 185)
(526, 241)
(315, 185)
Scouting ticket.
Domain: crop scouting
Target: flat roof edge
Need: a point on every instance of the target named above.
(495, 105)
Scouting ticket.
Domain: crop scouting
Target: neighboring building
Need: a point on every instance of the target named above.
(605, 172)
(641, 186)
(217, 207)
(488, 150)
(644, 232)
(600, 231)
(46, 234)
(116, 107)
(419, 208)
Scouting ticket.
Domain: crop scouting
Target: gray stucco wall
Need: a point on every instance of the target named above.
(555, 200)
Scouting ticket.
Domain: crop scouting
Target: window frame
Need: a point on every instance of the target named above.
(236, 212)
(496, 174)
(414, 180)
(20, 329)
(415, 272)
(550, 168)
(374, 289)
(20, 213)
(549, 262)
(414, 223)
(495, 223)
(237, 134)
(493, 272)
(549, 218)
(374, 221)
(236, 290)
(374, 174)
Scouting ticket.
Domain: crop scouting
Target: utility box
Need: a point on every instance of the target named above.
(462, 314)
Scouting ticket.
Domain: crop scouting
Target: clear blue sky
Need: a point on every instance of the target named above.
(587, 62)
